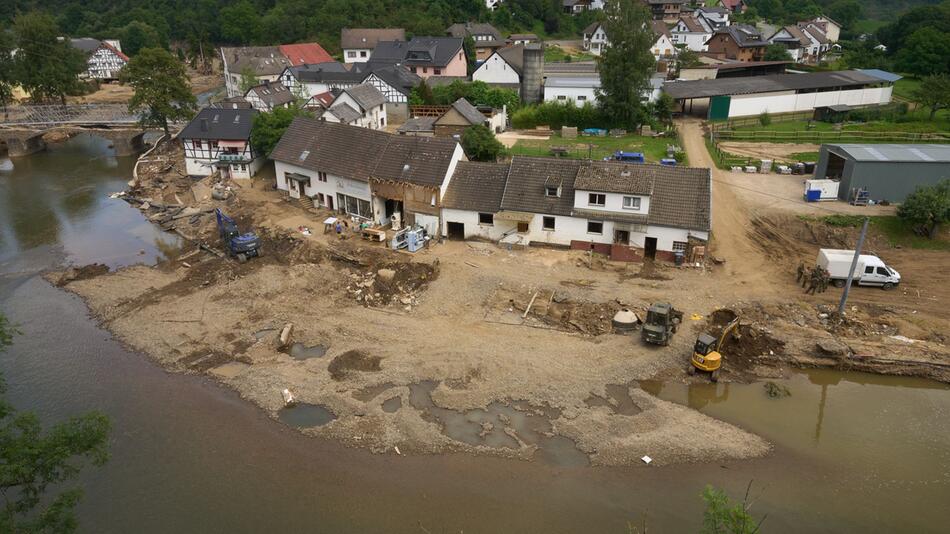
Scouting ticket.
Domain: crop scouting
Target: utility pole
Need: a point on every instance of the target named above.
(854, 263)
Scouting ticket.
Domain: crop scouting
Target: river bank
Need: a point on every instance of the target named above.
(438, 352)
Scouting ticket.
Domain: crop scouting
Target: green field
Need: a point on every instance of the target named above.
(556, 54)
(897, 231)
(653, 148)
(904, 87)
(917, 121)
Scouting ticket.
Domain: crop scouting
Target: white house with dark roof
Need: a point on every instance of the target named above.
(361, 105)
(358, 43)
(595, 38)
(502, 68)
(627, 211)
(367, 174)
(219, 139)
(269, 96)
(692, 32)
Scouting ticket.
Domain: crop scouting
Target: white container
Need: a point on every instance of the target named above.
(765, 166)
(828, 188)
(737, 169)
(751, 169)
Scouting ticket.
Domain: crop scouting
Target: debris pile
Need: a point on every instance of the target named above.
(392, 282)
(81, 273)
(352, 360)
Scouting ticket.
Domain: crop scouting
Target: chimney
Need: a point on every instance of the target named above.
(204, 125)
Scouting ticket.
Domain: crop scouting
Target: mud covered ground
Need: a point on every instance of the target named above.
(470, 347)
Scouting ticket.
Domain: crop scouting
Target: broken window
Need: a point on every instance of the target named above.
(595, 227)
(486, 218)
(547, 223)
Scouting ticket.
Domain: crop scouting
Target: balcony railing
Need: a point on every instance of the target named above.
(233, 158)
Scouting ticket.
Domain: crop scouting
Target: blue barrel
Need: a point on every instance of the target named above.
(813, 195)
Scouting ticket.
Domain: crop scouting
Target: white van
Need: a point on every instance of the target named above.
(869, 271)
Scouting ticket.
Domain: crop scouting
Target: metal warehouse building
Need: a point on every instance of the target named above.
(725, 98)
(886, 172)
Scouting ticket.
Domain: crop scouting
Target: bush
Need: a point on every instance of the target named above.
(765, 119)
(479, 144)
(558, 114)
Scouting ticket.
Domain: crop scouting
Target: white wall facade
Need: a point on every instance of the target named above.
(374, 119)
(496, 70)
(613, 202)
(579, 95)
(203, 155)
(596, 42)
(663, 48)
(694, 41)
(329, 189)
(357, 55)
(392, 94)
(788, 101)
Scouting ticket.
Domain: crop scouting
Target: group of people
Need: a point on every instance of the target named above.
(814, 279)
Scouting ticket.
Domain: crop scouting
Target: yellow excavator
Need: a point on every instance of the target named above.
(706, 355)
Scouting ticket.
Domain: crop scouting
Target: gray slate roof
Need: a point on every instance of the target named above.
(325, 72)
(477, 28)
(367, 96)
(345, 113)
(274, 94)
(526, 183)
(616, 178)
(435, 51)
(477, 186)
(368, 37)
(919, 153)
(743, 34)
(470, 112)
(418, 124)
(261, 60)
(86, 44)
(221, 123)
(513, 56)
(363, 154)
(396, 76)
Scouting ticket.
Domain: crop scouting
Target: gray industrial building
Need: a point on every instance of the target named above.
(886, 172)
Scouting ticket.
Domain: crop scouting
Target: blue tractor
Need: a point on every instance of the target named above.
(240, 246)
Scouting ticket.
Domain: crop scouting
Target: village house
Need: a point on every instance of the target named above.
(104, 59)
(806, 44)
(396, 83)
(734, 6)
(830, 28)
(595, 38)
(714, 17)
(626, 211)
(219, 140)
(234, 102)
(663, 47)
(425, 56)
(361, 105)
(455, 119)
(739, 42)
(576, 89)
(576, 7)
(266, 63)
(367, 174)
(523, 38)
(691, 32)
(269, 96)
(358, 43)
(503, 68)
(487, 38)
(665, 10)
(319, 78)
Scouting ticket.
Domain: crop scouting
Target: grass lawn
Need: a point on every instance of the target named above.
(917, 122)
(554, 53)
(804, 156)
(898, 231)
(653, 148)
(904, 87)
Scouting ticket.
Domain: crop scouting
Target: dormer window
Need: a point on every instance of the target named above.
(550, 191)
(597, 199)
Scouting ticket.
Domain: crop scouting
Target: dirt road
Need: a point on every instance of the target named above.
(774, 151)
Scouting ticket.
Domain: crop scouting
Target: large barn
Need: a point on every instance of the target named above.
(725, 98)
(885, 172)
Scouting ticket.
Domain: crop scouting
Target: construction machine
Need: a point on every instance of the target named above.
(661, 323)
(706, 355)
(238, 245)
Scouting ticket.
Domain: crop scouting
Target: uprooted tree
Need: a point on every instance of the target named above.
(33, 460)
(928, 207)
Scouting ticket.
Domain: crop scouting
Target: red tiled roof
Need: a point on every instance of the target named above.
(305, 53)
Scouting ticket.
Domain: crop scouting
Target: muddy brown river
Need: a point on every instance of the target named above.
(853, 452)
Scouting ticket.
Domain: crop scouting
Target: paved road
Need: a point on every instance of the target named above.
(74, 114)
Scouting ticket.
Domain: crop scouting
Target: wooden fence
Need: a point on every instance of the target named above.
(754, 121)
(818, 137)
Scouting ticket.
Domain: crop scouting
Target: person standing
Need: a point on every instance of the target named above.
(800, 271)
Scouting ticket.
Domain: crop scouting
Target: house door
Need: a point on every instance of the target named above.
(649, 248)
(621, 237)
(293, 187)
(330, 202)
(456, 230)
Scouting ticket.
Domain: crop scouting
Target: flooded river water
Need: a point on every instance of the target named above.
(853, 452)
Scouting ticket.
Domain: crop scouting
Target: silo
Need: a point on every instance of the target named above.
(532, 72)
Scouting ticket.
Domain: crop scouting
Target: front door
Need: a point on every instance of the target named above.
(330, 202)
(649, 248)
(293, 187)
(621, 237)
(456, 230)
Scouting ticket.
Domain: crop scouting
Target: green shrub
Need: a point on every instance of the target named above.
(558, 114)
(765, 119)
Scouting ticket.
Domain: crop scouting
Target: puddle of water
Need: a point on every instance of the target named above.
(494, 425)
(392, 405)
(299, 351)
(618, 400)
(305, 415)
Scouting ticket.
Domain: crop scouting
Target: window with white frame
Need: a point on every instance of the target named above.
(321, 176)
(595, 227)
(551, 191)
(631, 203)
(596, 199)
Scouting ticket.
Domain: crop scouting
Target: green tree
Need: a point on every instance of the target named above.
(161, 88)
(137, 35)
(479, 144)
(845, 12)
(724, 517)
(776, 52)
(7, 80)
(926, 51)
(663, 108)
(928, 207)
(468, 45)
(269, 127)
(45, 66)
(686, 58)
(32, 460)
(248, 79)
(240, 23)
(933, 93)
(626, 65)
(765, 119)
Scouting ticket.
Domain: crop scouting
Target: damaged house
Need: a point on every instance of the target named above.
(367, 174)
(626, 211)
